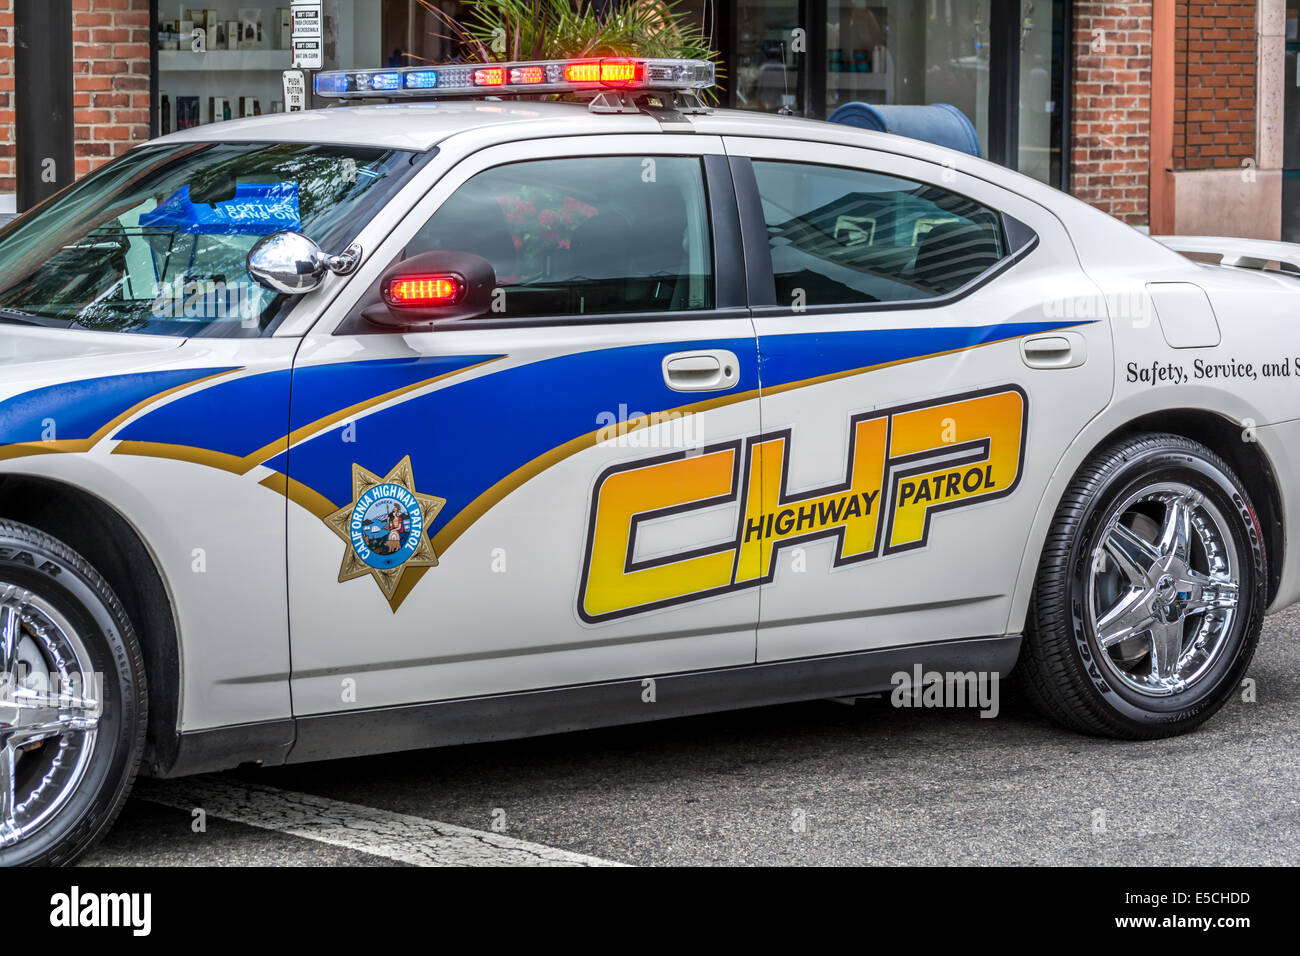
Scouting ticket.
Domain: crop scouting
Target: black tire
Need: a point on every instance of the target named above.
(1060, 669)
(54, 573)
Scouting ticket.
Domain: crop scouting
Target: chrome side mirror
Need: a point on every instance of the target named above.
(292, 264)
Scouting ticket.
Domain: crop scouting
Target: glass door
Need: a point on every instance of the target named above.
(771, 49)
(1042, 82)
(1002, 63)
(909, 52)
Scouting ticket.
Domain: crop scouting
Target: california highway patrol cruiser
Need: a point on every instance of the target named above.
(454, 417)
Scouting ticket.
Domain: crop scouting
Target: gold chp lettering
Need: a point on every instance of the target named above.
(904, 465)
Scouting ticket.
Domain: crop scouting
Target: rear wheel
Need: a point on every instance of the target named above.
(73, 705)
(1150, 595)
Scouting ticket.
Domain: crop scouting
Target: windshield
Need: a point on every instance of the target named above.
(157, 242)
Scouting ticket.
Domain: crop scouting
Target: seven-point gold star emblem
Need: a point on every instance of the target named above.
(386, 527)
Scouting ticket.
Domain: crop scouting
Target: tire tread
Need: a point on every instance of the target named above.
(1050, 671)
(93, 827)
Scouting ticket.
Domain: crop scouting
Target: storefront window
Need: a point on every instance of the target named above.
(234, 68)
(806, 57)
(413, 33)
(771, 48)
(244, 49)
(914, 53)
(1042, 47)
(909, 53)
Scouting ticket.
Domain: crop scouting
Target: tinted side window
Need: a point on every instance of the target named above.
(844, 236)
(585, 235)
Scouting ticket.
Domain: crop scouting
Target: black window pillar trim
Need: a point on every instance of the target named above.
(728, 269)
(760, 282)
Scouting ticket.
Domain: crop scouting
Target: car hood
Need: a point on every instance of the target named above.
(32, 350)
(39, 360)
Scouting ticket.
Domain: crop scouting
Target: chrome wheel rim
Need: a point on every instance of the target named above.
(50, 708)
(1164, 589)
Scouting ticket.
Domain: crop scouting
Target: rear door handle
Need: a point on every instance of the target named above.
(704, 371)
(1058, 350)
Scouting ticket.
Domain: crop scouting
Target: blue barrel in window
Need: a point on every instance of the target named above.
(938, 123)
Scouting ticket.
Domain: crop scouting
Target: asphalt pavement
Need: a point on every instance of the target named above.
(819, 783)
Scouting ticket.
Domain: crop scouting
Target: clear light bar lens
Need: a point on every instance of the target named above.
(527, 75)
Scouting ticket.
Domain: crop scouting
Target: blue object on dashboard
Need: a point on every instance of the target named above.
(258, 209)
(938, 123)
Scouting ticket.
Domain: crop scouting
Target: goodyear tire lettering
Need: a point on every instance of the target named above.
(904, 465)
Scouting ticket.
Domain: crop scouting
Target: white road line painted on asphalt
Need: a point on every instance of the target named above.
(394, 836)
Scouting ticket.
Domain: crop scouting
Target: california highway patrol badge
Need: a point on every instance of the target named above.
(386, 527)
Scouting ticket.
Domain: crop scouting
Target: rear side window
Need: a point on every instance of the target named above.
(844, 236)
(584, 236)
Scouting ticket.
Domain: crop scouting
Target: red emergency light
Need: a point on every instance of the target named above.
(607, 72)
(490, 76)
(424, 291)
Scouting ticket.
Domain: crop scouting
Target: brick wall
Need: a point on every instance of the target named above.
(110, 53)
(7, 149)
(1111, 140)
(1215, 56)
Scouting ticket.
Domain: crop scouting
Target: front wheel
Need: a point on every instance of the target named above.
(73, 702)
(1150, 594)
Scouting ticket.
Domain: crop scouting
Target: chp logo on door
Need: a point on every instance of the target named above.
(386, 527)
(904, 466)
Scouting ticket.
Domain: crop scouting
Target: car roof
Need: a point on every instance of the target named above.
(416, 126)
(422, 125)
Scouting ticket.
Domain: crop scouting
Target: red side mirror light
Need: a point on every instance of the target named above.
(424, 291)
(442, 285)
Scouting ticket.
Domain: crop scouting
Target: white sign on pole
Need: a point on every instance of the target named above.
(308, 54)
(307, 18)
(308, 35)
(295, 91)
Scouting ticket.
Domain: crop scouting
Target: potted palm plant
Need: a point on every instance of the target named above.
(512, 30)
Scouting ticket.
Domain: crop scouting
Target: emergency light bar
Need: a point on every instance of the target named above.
(540, 76)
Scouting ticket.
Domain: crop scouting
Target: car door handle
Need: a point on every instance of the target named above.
(704, 371)
(1060, 350)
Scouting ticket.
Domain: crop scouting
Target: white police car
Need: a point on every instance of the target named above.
(418, 423)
